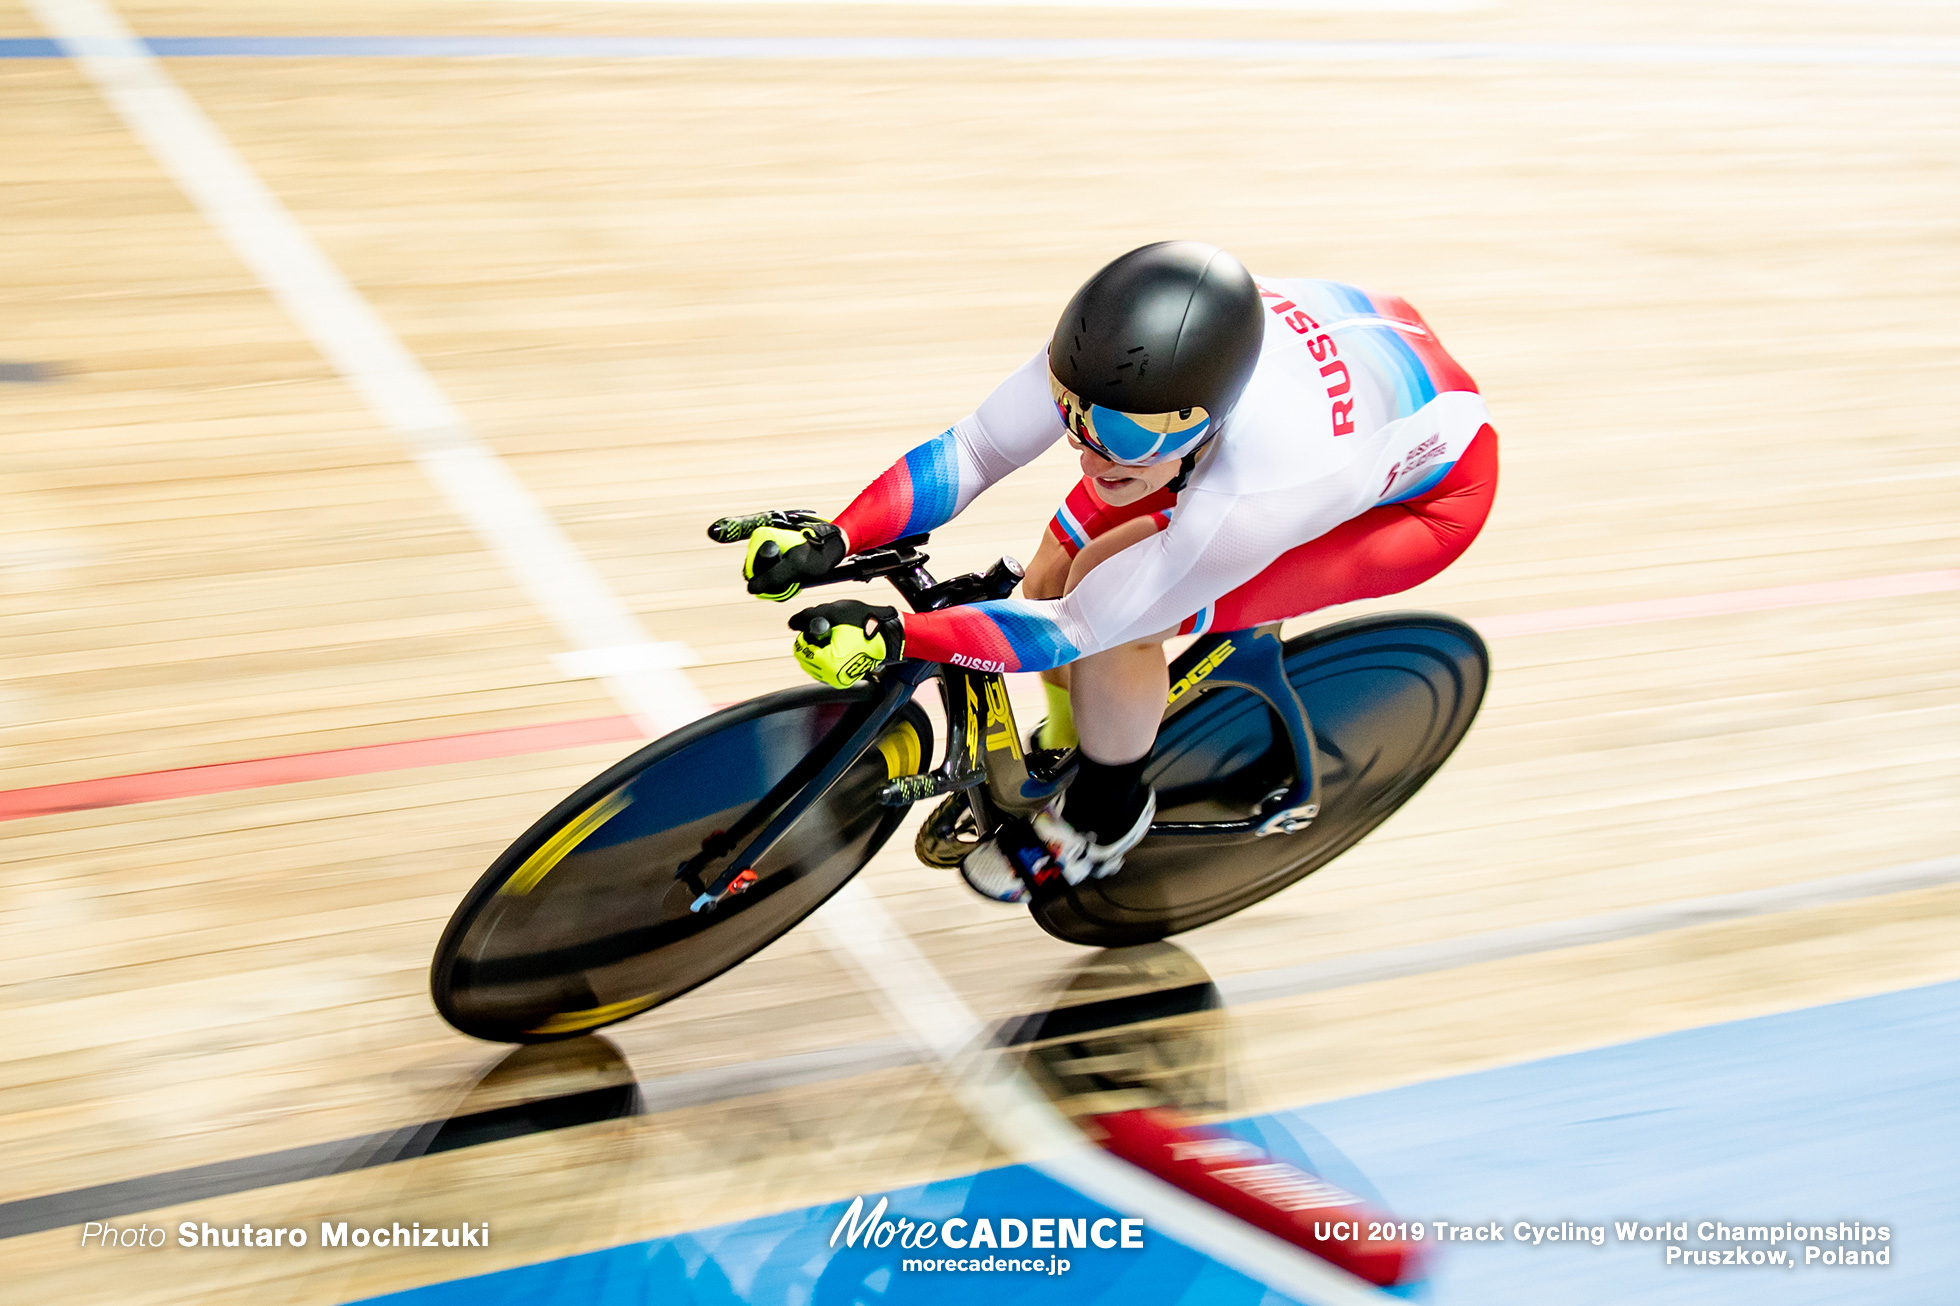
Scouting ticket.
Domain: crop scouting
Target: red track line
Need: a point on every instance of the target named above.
(224, 777)
(515, 741)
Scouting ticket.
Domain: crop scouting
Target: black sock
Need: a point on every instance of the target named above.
(1103, 800)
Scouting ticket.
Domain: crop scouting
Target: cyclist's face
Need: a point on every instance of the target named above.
(1119, 483)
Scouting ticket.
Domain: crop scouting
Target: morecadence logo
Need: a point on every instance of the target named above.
(981, 1239)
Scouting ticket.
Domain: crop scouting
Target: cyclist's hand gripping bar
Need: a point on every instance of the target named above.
(788, 549)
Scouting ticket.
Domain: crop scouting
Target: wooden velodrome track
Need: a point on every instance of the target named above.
(1711, 305)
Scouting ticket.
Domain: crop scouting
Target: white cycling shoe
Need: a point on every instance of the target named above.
(988, 872)
(1004, 866)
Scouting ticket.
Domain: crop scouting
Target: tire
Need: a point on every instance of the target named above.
(1389, 698)
(584, 920)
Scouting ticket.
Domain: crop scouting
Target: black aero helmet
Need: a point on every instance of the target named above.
(1155, 349)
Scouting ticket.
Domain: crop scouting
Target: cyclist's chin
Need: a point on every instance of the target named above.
(1116, 491)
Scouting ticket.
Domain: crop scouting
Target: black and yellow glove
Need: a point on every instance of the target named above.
(782, 559)
(843, 642)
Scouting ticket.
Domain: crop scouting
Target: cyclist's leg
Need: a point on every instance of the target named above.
(1080, 523)
(1047, 576)
(1119, 693)
(1383, 551)
(1106, 808)
(1077, 539)
(1118, 698)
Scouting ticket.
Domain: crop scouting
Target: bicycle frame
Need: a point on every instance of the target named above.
(983, 746)
(980, 720)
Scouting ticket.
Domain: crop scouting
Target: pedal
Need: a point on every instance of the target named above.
(909, 789)
(1050, 765)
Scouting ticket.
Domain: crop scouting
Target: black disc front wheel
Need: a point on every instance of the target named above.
(1389, 698)
(585, 920)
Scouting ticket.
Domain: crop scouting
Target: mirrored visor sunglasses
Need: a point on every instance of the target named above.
(1132, 439)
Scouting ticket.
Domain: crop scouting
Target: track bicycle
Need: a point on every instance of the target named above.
(710, 843)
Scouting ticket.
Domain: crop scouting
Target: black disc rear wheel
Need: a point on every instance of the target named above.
(1389, 698)
(584, 920)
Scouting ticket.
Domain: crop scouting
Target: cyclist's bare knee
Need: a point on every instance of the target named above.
(1047, 576)
(1108, 545)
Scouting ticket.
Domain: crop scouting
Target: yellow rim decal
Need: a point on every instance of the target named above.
(574, 833)
(901, 750)
(566, 1022)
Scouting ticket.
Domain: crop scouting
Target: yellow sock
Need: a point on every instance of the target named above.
(1058, 731)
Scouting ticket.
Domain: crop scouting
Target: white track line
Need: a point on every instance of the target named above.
(559, 580)
(504, 515)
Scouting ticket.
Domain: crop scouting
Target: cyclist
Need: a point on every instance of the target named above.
(1250, 450)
